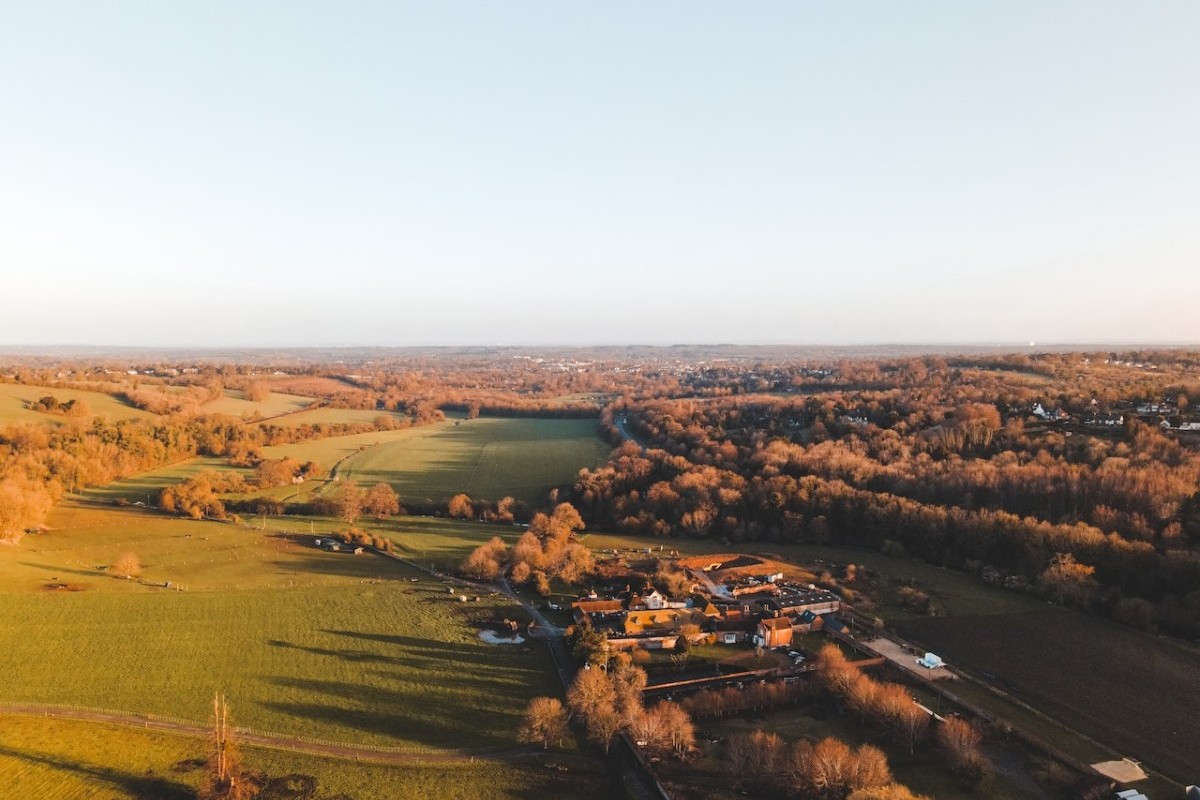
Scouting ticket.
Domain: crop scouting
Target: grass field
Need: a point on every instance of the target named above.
(487, 458)
(234, 402)
(1139, 695)
(304, 642)
(15, 398)
(59, 760)
(332, 416)
(145, 486)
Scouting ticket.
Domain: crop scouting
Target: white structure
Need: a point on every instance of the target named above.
(931, 661)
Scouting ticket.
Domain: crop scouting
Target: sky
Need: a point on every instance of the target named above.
(292, 173)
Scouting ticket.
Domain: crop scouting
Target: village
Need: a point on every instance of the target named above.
(729, 599)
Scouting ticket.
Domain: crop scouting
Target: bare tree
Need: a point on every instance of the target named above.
(349, 502)
(545, 721)
(128, 565)
(591, 691)
(226, 780)
(603, 724)
(381, 501)
(963, 741)
(460, 507)
(484, 561)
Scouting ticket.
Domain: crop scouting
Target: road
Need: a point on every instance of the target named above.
(621, 424)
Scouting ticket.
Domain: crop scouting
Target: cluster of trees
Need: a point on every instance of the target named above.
(890, 703)
(755, 697)
(199, 496)
(546, 550)
(272, 472)
(49, 404)
(825, 770)
(893, 705)
(351, 501)
(354, 536)
(609, 702)
(721, 469)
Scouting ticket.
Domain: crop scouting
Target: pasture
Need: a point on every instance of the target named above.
(15, 399)
(1139, 695)
(235, 403)
(486, 457)
(332, 416)
(145, 486)
(303, 642)
(53, 759)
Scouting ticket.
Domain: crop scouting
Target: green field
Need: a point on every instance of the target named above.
(15, 399)
(487, 458)
(333, 416)
(145, 486)
(303, 642)
(234, 402)
(1139, 697)
(53, 759)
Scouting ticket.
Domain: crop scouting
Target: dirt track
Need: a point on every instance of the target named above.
(379, 755)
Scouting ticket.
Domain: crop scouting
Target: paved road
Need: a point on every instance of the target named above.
(621, 424)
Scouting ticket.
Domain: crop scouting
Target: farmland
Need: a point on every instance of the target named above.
(235, 403)
(332, 416)
(1131, 691)
(15, 399)
(486, 458)
(145, 486)
(303, 642)
(52, 759)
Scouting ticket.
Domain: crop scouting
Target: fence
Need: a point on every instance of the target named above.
(187, 726)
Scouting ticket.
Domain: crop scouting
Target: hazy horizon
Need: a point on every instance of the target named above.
(296, 175)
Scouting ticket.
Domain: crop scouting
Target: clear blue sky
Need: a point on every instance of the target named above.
(290, 173)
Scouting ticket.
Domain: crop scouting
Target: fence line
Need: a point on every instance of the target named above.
(49, 709)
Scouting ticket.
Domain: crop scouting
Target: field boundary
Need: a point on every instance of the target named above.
(383, 754)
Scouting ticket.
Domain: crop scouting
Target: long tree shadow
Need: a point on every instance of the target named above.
(143, 787)
(449, 721)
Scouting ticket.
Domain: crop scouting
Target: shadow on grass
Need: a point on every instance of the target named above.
(90, 573)
(143, 787)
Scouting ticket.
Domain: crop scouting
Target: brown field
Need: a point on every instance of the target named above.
(15, 399)
(309, 385)
(1128, 690)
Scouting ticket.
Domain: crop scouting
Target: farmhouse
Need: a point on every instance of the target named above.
(667, 620)
(774, 632)
(596, 610)
(792, 601)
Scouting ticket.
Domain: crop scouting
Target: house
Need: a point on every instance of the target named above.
(662, 621)
(595, 610)
(794, 600)
(807, 622)
(1105, 420)
(651, 600)
(1050, 414)
(774, 632)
